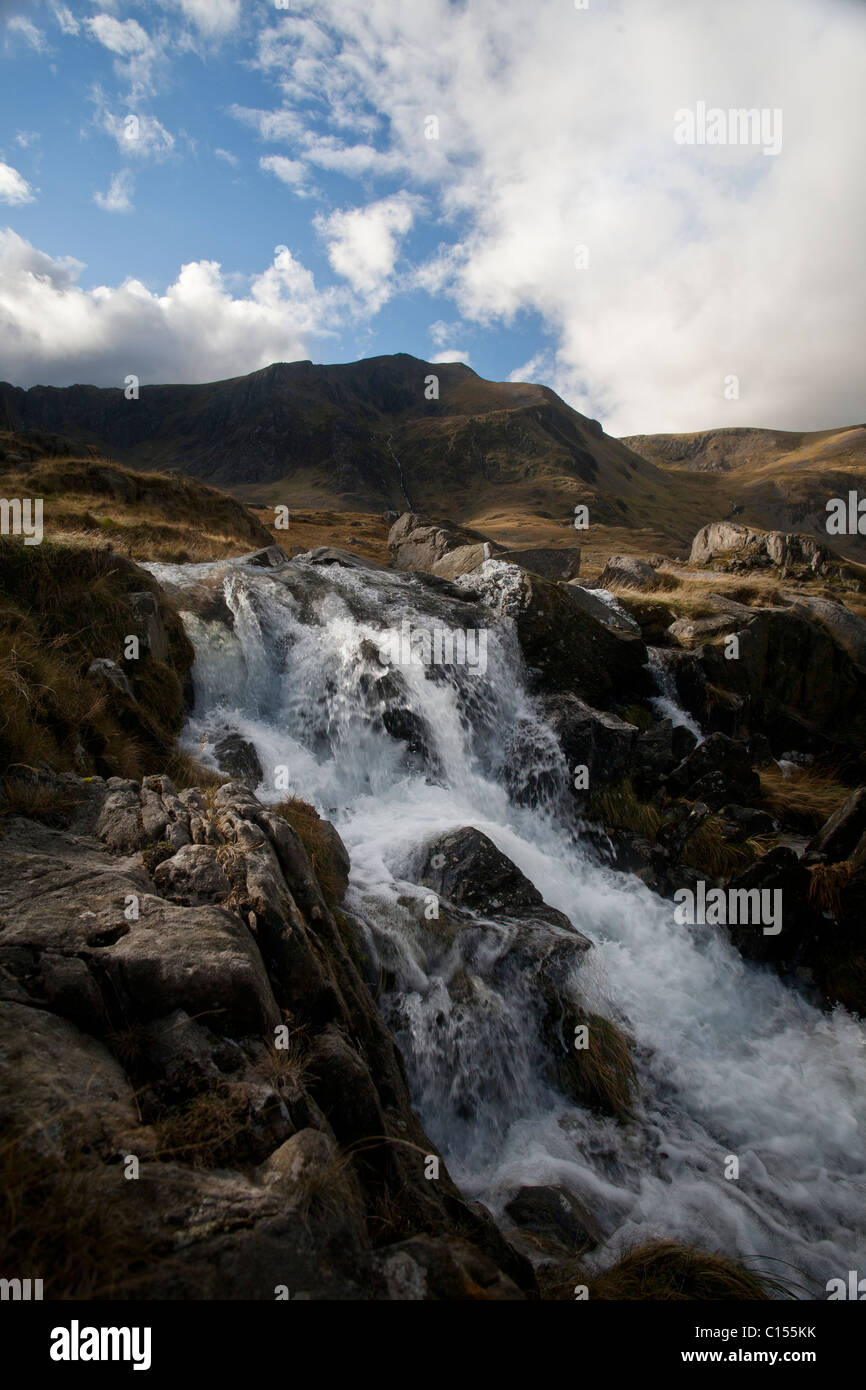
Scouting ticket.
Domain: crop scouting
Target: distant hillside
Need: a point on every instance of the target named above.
(363, 436)
(781, 479)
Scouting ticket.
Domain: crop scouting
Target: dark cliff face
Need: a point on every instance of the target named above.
(342, 427)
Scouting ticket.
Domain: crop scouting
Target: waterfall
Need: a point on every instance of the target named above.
(731, 1060)
(667, 703)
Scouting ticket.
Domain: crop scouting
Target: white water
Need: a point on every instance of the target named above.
(731, 1060)
(667, 703)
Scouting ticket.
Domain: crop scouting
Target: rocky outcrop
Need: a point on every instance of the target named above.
(744, 548)
(174, 989)
(566, 649)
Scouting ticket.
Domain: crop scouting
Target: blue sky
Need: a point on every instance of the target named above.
(153, 157)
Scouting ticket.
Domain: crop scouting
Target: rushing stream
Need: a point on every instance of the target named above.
(731, 1061)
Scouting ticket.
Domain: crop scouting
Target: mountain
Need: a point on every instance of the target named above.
(511, 459)
(364, 435)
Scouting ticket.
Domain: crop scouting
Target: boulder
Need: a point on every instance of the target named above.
(728, 762)
(601, 742)
(237, 757)
(565, 647)
(553, 1211)
(192, 876)
(332, 555)
(271, 557)
(840, 835)
(439, 547)
(627, 572)
(147, 614)
(744, 547)
(550, 563)
(606, 613)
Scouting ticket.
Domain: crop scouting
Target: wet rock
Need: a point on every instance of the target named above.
(147, 616)
(238, 757)
(555, 1212)
(603, 612)
(601, 742)
(728, 765)
(271, 557)
(331, 555)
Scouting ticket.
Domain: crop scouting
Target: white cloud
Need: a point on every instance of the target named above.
(28, 32)
(703, 262)
(364, 243)
(227, 155)
(451, 355)
(212, 17)
(440, 331)
(197, 330)
(66, 19)
(138, 56)
(26, 138)
(119, 195)
(14, 188)
(137, 136)
(289, 171)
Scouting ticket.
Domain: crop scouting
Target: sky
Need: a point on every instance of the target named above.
(192, 189)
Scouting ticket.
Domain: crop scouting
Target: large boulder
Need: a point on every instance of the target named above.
(595, 739)
(565, 648)
(744, 547)
(627, 572)
(547, 561)
(555, 1212)
(717, 771)
(440, 547)
(791, 679)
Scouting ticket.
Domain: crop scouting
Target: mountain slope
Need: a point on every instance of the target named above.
(781, 479)
(363, 435)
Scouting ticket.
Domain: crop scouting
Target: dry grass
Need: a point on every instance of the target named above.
(664, 1271)
(603, 1074)
(203, 1131)
(63, 1225)
(60, 608)
(308, 825)
(37, 801)
(95, 503)
(618, 807)
(807, 797)
(828, 881)
(710, 853)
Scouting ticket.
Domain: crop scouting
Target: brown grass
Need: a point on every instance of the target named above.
(603, 1074)
(307, 823)
(709, 852)
(807, 797)
(827, 884)
(664, 1271)
(618, 807)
